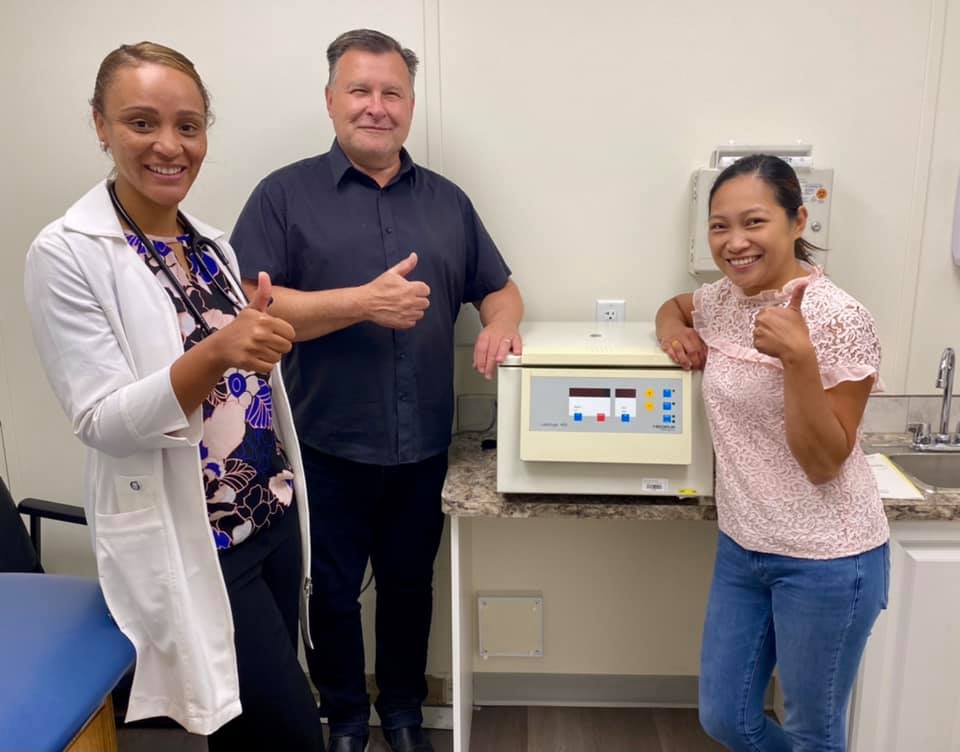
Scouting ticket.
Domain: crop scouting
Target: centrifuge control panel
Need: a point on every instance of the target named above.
(606, 405)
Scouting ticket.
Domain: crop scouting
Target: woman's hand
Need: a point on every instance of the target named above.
(782, 332)
(684, 346)
(254, 340)
(676, 335)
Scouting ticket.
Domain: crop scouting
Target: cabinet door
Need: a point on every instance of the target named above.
(907, 697)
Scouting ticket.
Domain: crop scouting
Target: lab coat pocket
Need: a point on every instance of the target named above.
(133, 559)
(134, 492)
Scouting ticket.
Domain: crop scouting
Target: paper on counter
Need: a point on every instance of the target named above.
(893, 484)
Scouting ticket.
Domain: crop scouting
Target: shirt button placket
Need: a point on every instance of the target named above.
(391, 248)
(406, 400)
(406, 404)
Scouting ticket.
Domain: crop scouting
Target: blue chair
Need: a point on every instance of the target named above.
(61, 654)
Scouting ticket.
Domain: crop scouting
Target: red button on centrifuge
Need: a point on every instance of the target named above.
(601, 417)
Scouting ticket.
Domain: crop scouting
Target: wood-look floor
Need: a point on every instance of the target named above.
(539, 729)
(520, 729)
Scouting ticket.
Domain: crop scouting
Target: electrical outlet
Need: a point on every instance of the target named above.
(611, 310)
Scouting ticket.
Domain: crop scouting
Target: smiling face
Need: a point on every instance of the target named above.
(751, 237)
(154, 125)
(370, 102)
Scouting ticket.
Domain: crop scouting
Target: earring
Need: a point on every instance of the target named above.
(103, 146)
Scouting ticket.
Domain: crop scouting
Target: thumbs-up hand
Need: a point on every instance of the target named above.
(781, 332)
(263, 297)
(796, 297)
(255, 340)
(406, 266)
(394, 301)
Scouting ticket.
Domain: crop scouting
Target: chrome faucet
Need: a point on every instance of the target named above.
(945, 382)
(925, 440)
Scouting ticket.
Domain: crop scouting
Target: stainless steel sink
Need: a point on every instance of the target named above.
(934, 471)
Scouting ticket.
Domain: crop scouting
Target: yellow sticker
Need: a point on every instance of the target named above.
(688, 492)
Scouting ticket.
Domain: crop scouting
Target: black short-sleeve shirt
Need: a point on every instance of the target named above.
(368, 393)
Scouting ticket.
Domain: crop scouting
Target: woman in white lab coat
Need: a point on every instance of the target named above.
(194, 485)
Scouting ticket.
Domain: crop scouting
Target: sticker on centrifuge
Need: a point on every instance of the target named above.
(654, 484)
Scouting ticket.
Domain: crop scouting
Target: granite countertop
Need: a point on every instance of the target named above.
(470, 491)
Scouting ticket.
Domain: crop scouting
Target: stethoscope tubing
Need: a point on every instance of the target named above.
(200, 242)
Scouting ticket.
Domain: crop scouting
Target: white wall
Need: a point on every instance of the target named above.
(573, 126)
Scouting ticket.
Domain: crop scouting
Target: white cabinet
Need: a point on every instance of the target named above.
(907, 697)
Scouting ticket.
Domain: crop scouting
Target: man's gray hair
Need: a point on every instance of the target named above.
(368, 40)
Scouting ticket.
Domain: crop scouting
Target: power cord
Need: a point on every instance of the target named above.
(486, 429)
(369, 581)
(493, 414)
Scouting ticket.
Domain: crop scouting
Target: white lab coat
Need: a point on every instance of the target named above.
(107, 334)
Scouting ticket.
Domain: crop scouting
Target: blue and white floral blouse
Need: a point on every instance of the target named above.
(247, 478)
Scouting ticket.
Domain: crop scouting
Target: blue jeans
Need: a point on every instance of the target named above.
(809, 617)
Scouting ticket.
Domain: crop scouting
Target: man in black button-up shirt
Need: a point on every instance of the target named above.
(372, 256)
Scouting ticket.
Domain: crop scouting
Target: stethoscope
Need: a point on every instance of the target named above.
(199, 244)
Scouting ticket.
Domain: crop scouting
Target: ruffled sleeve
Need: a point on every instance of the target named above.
(704, 300)
(848, 347)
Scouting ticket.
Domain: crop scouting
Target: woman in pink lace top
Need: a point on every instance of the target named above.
(801, 574)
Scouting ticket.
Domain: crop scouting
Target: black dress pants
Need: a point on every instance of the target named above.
(263, 582)
(391, 516)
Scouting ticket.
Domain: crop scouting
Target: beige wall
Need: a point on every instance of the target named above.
(620, 597)
(265, 65)
(574, 127)
(577, 147)
(936, 312)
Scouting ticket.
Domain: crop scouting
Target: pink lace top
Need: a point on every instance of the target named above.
(764, 500)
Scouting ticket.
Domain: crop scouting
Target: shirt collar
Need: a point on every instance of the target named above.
(94, 215)
(813, 273)
(340, 165)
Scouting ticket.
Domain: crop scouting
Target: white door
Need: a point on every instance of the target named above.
(907, 697)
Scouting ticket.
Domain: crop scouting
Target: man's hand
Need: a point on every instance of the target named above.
(494, 343)
(393, 301)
